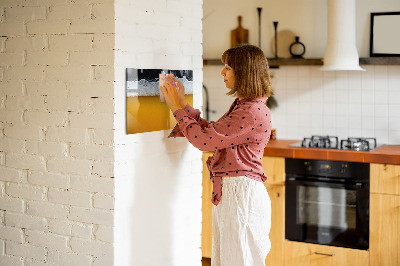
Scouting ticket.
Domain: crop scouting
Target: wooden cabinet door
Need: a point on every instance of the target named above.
(277, 233)
(304, 254)
(274, 168)
(206, 226)
(384, 236)
(385, 178)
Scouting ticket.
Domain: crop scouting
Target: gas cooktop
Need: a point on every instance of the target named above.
(332, 142)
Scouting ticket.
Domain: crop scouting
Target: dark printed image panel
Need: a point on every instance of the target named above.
(145, 109)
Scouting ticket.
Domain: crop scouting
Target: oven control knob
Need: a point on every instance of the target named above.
(343, 168)
(308, 166)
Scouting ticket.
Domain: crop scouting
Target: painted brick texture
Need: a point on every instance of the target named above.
(62, 135)
(157, 180)
(56, 132)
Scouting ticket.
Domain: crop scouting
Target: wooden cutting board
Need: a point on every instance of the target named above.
(239, 35)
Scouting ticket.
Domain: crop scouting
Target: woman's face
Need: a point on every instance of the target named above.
(229, 76)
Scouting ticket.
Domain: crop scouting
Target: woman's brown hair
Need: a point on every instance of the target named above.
(250, 66)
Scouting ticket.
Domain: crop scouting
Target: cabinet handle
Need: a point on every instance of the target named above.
(324, 254)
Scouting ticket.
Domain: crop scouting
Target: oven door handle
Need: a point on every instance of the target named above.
(357, 185)
(324, 254)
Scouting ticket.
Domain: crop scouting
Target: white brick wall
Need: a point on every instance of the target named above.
(56, 132)
(62, 138)
(158, 184)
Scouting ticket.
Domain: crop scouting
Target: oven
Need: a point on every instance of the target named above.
(327, 202)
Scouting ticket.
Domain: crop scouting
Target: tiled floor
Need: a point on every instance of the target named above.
(206, 261)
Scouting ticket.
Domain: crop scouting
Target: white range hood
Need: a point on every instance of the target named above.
(341, 51)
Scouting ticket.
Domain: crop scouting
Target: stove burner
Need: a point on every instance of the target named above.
(328, 142)
(332, 142)
(358, 144)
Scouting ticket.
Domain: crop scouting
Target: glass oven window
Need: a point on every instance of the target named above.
(326, 207)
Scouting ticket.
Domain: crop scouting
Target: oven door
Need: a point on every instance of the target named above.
(327, 213)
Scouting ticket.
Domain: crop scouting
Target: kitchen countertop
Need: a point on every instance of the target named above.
(389, 154)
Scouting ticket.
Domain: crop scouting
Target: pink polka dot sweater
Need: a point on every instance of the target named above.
(238, 139)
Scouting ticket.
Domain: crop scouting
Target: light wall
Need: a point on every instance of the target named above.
(158, 180)
(343, 104)
(56, 132)
(311, 102)
(64, 152)
(304, 18)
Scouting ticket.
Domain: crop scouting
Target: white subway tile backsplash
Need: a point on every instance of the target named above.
(347, 103)
(393, 71)
(278, 82)
(316, 82)
(368, 123)
(342, 133)
(304, 109)
(354, 84)
(342, 122)
(394, 97)
(394, 110)
(304, 72)
(328, 74)
(329, 93)
(342, 96)
(329, 109)
(291, 71)
(380, 71)
(381, 84)
(329, 123)
(381, 110)
(315, 71)
(342, 81)
(394, 123)
(355, 96)
(381, 136)
(304, 95)
(355, 132)
(355, 109)
(292, 82)
(355, 122)
(394, 82)
(394, 137)
(303, 82)
(381, 122)
(367, 96)
(342, 109)
(381, 97)
(367, 133)
(367, 110)
(293, 120)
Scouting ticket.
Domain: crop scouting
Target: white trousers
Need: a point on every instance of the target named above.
(241, 223)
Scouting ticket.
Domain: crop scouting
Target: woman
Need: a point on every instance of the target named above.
(242, 208)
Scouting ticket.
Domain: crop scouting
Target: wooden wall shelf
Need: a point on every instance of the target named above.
(274, 63)
(380, 61)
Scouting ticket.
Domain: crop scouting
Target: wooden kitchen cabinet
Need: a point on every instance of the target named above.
(277, 233)
(384, 237)
(305, 254)
(206, 225)
(385, 178)
(274, 168)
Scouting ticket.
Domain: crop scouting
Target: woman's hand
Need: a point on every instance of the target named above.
(181, 91)
(172, 93)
